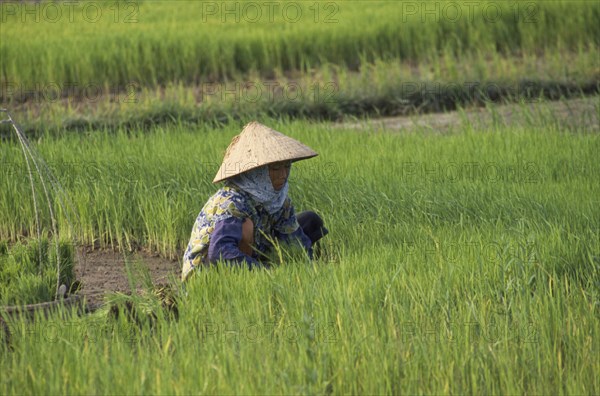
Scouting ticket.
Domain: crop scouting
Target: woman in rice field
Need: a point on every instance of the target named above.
(240, 222)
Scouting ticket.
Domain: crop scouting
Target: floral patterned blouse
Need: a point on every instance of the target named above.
(217, 231)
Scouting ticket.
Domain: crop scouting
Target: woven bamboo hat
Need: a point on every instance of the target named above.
(259, 145)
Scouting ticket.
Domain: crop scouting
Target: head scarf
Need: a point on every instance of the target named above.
(257, 183)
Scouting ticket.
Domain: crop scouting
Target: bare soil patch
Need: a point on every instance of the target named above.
(103, 271)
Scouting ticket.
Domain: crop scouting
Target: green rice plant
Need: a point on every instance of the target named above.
(24, 279)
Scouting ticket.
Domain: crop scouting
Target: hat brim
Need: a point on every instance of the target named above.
(258, 145)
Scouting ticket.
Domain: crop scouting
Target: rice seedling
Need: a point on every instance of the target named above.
(26, 280)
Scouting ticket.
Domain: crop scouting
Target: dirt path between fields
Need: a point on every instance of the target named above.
(102, 271)
(580, 113)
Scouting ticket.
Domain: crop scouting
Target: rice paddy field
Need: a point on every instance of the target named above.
(96, 64)
(460, 259)
(153, 43)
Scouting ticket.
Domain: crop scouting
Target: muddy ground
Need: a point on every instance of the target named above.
(102, 271)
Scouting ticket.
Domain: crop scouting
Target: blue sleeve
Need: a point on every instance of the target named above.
(225, 242)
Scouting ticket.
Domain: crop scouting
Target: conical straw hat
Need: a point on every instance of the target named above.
(259, 145)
